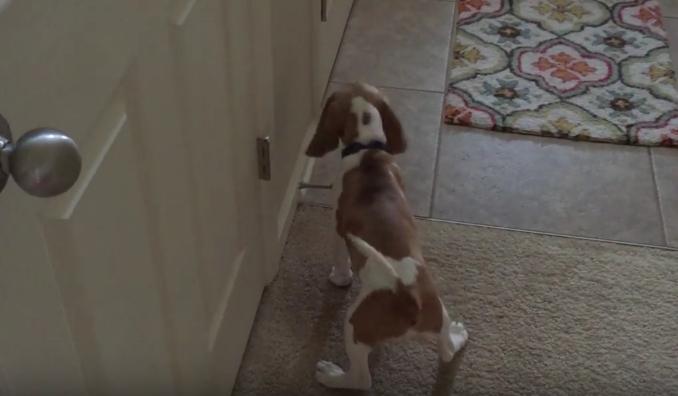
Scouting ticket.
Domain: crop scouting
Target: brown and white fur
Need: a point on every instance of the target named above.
(376, 227)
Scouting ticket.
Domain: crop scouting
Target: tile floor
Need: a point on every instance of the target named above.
(595, 190)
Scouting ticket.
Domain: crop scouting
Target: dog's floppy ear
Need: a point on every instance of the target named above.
(395, 137)
(329, 129)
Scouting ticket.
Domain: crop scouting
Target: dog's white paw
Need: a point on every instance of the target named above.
(458, 335)
(329, 374)
(333, 376)
(341, 278)
(453, 341)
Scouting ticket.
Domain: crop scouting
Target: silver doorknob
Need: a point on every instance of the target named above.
(323, 10)
(44, 162)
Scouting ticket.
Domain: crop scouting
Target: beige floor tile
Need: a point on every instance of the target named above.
(419, 113)
(669, 8)
(666, 172)
(672, 30)
(549, 185)
(397, 43)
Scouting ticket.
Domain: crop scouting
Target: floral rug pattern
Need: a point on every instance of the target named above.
(595, 70)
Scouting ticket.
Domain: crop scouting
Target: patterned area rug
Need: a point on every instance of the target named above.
(583, 69)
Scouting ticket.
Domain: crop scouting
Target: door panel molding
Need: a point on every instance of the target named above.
(93, 152)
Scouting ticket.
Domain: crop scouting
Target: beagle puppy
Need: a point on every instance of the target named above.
(376, 237)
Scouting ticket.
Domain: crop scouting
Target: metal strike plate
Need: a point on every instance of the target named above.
(323, 10)
(5, 149)
(264, 157)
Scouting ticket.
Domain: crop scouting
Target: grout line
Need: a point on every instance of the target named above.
(394, 88)
(653, 169)
(552, 234)
(436, 166)
(531, 232)
(441, 124)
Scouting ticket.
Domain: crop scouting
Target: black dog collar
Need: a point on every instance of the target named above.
(356, 147)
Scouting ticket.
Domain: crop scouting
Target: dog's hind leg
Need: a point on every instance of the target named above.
(452, 337)
(357, 376)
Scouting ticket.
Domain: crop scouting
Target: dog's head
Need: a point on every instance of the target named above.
(358, 113)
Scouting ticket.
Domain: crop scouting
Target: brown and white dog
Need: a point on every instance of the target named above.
(376, 228)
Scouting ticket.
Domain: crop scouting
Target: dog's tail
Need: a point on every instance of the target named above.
(383, 266)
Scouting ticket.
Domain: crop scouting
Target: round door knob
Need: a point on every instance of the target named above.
(45, 162)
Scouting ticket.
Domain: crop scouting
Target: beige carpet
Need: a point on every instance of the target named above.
(546, 315)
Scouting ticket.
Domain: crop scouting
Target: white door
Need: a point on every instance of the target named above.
(145, 277)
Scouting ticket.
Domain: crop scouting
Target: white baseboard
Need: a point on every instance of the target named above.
(301, 171)
(303, 167)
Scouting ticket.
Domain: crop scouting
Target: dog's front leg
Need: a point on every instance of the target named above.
(341, 274)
